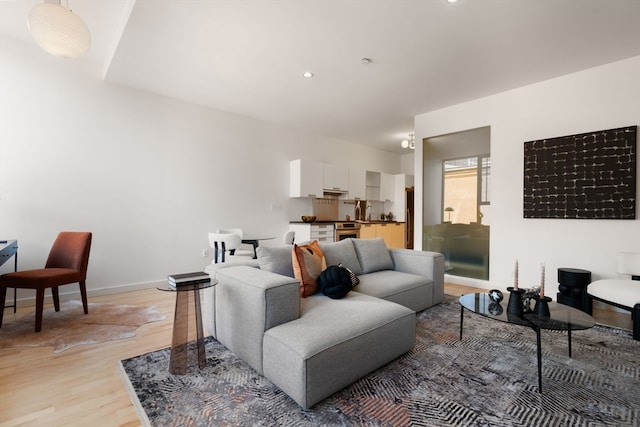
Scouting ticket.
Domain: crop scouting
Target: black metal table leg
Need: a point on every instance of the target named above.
(539, 351)
(461, 317)
(569, 334)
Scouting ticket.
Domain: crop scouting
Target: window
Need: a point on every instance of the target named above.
(466, 197)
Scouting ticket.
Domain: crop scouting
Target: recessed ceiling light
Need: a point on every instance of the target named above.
(451, 1)
(307, 74)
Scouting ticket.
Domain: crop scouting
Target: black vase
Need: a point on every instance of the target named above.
(541, 309)
(515, 301)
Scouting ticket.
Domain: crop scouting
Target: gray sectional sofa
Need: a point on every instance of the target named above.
(313, 347)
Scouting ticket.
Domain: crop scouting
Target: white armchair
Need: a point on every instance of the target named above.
(622, 292)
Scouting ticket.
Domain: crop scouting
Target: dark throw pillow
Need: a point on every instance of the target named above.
(335, 282)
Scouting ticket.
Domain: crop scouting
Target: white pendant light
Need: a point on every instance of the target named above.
(58, 30)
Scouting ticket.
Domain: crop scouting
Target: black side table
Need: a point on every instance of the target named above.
(180, 340)
(573, 288)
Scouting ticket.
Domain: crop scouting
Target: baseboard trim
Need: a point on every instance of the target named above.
(74, 293)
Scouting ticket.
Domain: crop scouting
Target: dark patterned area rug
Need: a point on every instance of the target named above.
(487, 379)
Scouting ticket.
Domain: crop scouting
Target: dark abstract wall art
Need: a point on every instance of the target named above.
(586, 176)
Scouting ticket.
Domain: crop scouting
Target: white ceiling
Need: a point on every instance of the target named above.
(248, 56)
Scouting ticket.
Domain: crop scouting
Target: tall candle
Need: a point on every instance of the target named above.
(542, 282)
(515, 278)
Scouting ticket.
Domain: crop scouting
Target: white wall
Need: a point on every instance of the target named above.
(406, 163)
(596, 99)
(148, 175)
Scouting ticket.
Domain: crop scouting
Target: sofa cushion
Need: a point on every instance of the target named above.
(373, 255)
(342, 252)
(334, 343)
(409, 290)
(308, 262)
(276, 259)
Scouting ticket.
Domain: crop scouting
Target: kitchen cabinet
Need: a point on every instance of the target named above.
(380, 186)
(372, 185)
(306, 178)
(335, 178)
(391, 232)
(387, 187)
(367, 231)
(311, 232)
(357, 184)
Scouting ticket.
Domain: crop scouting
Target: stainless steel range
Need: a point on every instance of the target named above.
(346, 230)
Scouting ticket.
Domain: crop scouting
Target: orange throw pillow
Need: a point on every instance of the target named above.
(308, 262)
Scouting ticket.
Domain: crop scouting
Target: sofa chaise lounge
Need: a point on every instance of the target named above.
(313, 347)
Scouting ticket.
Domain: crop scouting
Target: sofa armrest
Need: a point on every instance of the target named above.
(248, 302)
(422, 263)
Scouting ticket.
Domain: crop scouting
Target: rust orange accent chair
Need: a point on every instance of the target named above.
(67, 263)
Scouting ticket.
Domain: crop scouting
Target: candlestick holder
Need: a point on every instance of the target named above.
(515, 301)
(541, 309)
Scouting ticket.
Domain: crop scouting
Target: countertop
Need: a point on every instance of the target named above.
(359, 222)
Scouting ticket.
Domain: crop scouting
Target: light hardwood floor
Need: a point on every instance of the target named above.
(82, 386)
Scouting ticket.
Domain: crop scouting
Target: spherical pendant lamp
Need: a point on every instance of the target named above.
(58, 30)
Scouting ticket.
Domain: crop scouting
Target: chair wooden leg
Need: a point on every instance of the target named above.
(56, 298)
(3, 296)
(39, 308)
(83, 293)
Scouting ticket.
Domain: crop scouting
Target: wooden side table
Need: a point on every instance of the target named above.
(179, 343)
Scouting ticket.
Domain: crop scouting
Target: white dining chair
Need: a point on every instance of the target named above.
(225, 247)
(289, 237)
(242, 249)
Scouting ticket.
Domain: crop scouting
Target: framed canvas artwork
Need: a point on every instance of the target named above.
(587, 176)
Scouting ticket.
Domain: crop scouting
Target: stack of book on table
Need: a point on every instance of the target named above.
(177, 280)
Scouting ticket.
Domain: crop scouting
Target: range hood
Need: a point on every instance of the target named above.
(333, 192)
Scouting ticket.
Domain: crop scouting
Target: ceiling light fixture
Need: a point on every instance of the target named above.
(409, 143)
(307, 75)
(58, 30)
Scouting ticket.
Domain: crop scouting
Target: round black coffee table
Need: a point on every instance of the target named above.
(561, 318)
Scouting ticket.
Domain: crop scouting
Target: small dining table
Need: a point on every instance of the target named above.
(254, 240)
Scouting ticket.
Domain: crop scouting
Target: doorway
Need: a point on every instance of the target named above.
(457, 201)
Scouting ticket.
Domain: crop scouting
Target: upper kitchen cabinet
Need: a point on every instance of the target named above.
(387, 187)
(380, 186)
(357, 184)
(335, 178)
(373, 185)
(305, 178)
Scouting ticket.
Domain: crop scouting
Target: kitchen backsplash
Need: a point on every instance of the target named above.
(334, 209)
(325, 209)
